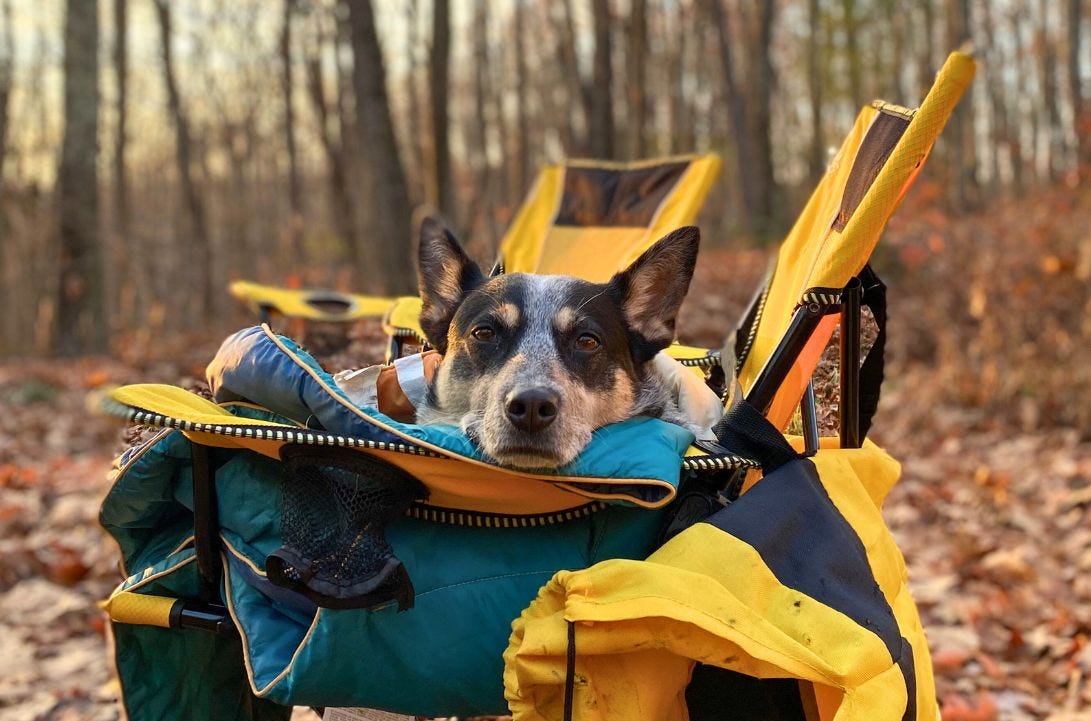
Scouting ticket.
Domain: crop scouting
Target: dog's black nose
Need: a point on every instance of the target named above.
(532, 409)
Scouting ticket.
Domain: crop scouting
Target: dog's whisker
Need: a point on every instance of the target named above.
(588, 300)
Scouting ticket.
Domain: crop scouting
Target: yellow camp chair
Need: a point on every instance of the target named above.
(758, 602)
(815, 272)
(316, 304)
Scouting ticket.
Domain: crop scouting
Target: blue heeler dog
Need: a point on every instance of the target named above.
(534, 363)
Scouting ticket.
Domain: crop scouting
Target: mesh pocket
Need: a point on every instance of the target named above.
(337, 504)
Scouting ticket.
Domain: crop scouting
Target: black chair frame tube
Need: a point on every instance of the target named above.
(802, 326)
(775, 370)
(206, 522)
(810, 420)
(849, 406)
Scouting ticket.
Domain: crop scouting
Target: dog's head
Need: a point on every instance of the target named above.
(534, 363)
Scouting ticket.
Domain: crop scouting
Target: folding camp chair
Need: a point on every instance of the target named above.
(225, 523)
(791, 602)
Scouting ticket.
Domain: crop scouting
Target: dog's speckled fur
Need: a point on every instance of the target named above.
(536, 330)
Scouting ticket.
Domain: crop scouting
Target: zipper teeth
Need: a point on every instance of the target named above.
(719, 462)
(306, 437)
(752, 333)
(821, 296)
(498, 520)
(712, 359)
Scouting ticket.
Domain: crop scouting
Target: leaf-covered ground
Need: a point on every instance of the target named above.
(987, 404)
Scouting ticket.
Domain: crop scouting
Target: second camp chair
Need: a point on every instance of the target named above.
(590, 219)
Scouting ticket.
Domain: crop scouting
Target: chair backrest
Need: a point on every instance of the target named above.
(835, 235)
(591, 218)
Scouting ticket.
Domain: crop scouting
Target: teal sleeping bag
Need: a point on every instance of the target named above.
(442, 657)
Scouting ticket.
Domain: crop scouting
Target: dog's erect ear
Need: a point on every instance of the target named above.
(652, 289)
(445, 274)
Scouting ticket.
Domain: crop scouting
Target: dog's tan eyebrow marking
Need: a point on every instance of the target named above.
(565, 319)
(508, 314)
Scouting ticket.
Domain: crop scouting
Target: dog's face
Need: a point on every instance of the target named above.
(534, 363)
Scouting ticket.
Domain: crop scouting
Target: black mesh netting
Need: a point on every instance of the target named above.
(337, 504)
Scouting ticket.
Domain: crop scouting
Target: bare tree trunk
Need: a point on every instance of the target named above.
(420, 165)
(1000, 131)
(1025, 155)
(754, 158)
(927, 68)
(762, 126)
(7, 77)
(483, 187)
(81, 311)
(509, 195)
(601, 133)
(814, 74)
(675, 72)
(1075, 90)
(522, 127)
(439, 79)
(121, 73)
(579, 95)
(125, 294)
(341, 206)
(385, 198)
(899, 26)
(1047, 74)
(961, 152)
(200, 244)
(295, 186)
(852, 51)
(636, 77)
(578, 90)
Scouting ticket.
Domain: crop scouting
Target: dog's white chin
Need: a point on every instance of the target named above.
(529, 460)
(509, 451)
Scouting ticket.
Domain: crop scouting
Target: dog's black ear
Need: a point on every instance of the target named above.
(445, 274)
(652, 289)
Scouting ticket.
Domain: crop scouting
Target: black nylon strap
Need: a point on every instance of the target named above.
(744, 430)
(872, 369)
(570, 672)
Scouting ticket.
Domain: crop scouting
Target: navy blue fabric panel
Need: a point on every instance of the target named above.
(299, 606)
(909, 672)
(718, 694)
(810, 547)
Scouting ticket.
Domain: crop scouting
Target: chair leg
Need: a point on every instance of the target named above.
(810, 420)
(850, 364)
(206, 523)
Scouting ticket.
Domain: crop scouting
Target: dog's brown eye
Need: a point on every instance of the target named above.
(587, 342)
(484, 333)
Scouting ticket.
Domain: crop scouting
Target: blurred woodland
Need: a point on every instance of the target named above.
(295, 140)
(153, 150)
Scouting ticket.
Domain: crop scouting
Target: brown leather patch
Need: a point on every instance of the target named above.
(616, 198)
(876, 147)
